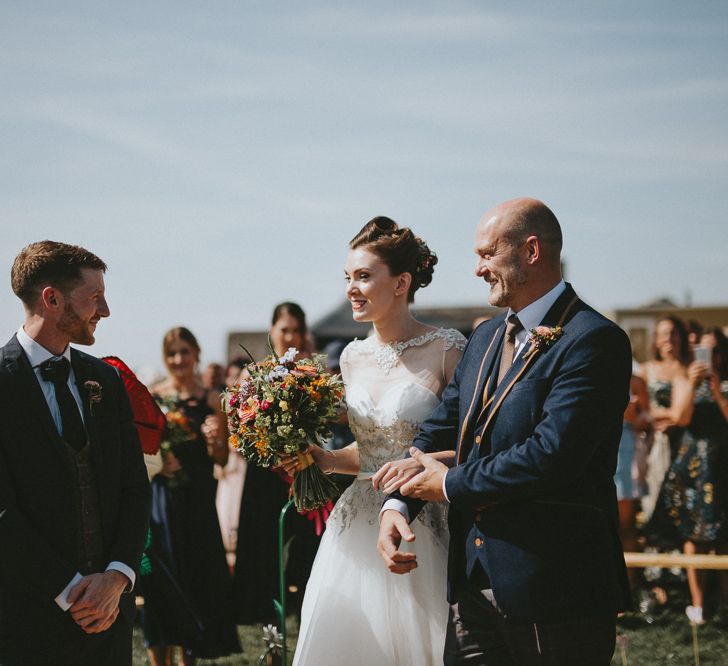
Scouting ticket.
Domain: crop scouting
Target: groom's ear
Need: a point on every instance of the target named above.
(50, 298)
(404, 280)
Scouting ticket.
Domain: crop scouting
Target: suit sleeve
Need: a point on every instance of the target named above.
(135, 498)
(587, 397)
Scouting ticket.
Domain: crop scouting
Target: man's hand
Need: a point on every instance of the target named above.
(394, 474)
(392, 529)
(427, 485)
(95, 600)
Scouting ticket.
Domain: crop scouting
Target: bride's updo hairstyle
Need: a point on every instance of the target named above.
(400, 249)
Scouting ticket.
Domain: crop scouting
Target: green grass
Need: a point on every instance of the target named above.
(667, 640)
(251, 640)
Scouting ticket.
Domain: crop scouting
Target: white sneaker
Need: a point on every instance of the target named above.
(695, 614)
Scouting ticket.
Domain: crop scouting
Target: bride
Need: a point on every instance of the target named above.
(355, 611)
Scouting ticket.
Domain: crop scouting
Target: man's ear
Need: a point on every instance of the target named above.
(533, 249)
(51, 298)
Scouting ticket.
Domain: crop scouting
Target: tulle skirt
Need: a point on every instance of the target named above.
(355, 611)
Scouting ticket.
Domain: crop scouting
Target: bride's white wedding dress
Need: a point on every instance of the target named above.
(355, 611)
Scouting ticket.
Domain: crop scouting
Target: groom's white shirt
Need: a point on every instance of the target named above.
(38, 354)
(530, 317)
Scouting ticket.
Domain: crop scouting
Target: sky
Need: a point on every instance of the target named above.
(220, 155)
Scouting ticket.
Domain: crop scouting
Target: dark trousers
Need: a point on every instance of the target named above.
(69, 646)
(479, 635)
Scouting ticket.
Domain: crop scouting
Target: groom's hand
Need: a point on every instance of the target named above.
(393, 528)
(95, 600)
(427, 485)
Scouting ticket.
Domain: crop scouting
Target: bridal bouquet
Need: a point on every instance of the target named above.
(278, 411)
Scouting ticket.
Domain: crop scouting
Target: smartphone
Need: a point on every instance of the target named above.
(704, 355)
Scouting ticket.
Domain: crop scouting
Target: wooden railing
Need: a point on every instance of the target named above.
(669, 560)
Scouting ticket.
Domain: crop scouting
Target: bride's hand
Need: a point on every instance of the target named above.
(292, 464)
(394, 474)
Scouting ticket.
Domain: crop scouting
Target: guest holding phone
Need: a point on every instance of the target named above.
(692, 505)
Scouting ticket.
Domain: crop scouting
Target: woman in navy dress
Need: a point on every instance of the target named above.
(187, 594)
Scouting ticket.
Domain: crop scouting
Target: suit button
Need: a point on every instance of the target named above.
(478, 542)
(477, 439)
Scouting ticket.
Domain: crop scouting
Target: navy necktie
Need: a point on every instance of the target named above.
(56, 371)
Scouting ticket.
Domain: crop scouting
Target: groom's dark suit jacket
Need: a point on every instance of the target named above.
(532, 496)
(38, 508)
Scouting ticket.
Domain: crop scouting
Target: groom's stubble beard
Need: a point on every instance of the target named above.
(502, 288)
(77, 330)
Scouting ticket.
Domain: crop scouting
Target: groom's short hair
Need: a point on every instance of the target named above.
(50, 263)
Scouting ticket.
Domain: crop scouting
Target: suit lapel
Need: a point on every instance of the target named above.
(84, 372)
(31, 396)
(556, 316)
(486, 368)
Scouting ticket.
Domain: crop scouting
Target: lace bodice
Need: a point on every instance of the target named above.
(390, 390)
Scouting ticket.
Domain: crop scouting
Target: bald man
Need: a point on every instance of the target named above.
(536, 573)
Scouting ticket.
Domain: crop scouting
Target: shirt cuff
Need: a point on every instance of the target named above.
(127, 571)
(396, 505)
(444, 488)
(62, 598)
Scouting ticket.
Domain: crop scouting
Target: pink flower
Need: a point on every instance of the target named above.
(265, 405)
(246, 414)
(234, 400)
(542, 330)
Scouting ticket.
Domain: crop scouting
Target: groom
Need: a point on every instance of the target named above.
(536, 573)
(74, 495)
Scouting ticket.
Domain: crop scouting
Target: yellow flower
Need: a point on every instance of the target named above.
(233, 440)
(283, 405)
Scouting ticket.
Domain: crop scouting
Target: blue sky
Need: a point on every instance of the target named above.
(220, 155)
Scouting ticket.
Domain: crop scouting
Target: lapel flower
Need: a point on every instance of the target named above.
(93, 391)
(541, 338)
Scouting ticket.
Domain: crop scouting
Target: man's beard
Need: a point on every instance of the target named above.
(78, 330)
(515, 276)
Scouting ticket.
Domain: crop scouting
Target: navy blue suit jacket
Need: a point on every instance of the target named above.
(532, 494)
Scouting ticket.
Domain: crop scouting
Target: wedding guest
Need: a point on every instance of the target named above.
(187, 594)
(665, 374)
(230, 477)
(695, 332)
(213, 377)
(232, 371)
(692, 507)
(636, 422)
(264, 495)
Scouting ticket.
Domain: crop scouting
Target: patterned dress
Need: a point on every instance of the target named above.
(692, 501)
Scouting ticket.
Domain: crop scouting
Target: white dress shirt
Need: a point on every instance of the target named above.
(530, 317)
(38, 354)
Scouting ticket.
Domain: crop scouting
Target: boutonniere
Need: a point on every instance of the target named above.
(541, 338)
(93, 391)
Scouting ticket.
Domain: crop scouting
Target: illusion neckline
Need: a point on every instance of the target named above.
(387, 353)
